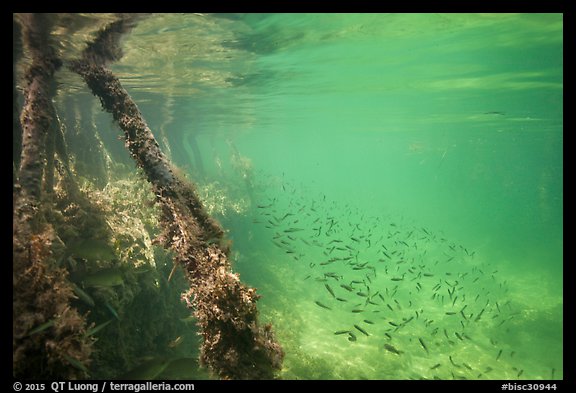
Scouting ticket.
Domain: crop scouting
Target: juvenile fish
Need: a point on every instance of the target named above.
(479, 315)
(290, 230)
(361, 330)
(342, 332)
(112, 311)
(104, 278)
(83, 295)
(329, 290)
(423, 345)
(391, 348)
(322, 305)
(452, 361)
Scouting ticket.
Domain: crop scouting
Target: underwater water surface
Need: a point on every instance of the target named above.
(392, 183)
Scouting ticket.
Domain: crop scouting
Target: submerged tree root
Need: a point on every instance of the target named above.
(49, 339)
(235, 346)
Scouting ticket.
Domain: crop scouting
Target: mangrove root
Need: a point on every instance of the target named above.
(49, 338)
(235, 346)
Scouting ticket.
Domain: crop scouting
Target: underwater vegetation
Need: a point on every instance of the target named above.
(112, 268)
(274, 196)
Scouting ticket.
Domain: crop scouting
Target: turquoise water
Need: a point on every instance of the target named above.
(392, 182)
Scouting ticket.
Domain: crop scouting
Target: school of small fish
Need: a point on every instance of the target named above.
(406, 287)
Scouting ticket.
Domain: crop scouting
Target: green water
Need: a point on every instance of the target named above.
(414, 158)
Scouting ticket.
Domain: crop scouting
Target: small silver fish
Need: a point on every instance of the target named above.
(391, 348)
